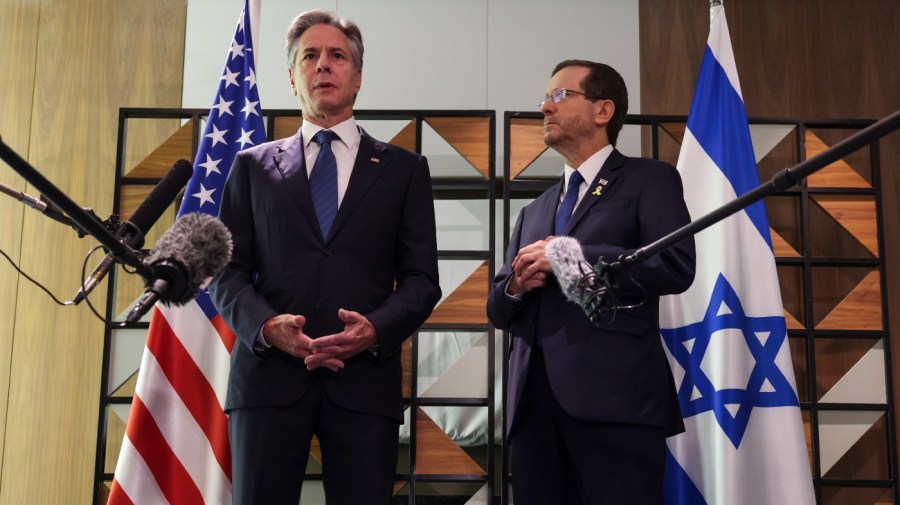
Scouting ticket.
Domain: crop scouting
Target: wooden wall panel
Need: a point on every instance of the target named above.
(812, 59)
(18, 23)
(91, 58)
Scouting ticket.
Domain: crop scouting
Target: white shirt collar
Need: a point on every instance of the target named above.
(346, 130)
(591, 166)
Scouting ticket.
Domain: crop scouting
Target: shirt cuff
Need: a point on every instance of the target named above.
(518, 296)
(260, 345)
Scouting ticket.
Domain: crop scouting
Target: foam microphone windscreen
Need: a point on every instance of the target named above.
(569, 265)
(196, 248)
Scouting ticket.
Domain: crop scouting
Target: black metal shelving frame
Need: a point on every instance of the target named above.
(508, 189)
(531, 187)
(443, 187)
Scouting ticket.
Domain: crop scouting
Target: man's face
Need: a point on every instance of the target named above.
(571, 120)
(324, 77)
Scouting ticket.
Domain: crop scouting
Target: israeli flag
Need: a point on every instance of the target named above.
(726, 337)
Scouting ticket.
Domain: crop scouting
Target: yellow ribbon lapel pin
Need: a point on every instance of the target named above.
(599, 189)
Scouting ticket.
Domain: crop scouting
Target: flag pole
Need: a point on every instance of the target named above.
(781, 181)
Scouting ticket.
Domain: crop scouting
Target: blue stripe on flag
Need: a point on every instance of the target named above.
(719, 123)
(206, 304)
(679, 488)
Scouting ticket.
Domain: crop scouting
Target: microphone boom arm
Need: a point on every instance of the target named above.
(79, 216)
(781, 181)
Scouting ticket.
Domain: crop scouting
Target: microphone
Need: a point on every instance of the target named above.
(579, 281)
(132, 232)
(187, 256)
(41, 204)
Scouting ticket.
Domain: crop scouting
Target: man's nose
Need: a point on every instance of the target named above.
(323, 64)
(547, 107)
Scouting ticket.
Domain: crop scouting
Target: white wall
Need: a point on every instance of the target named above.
(431, 54)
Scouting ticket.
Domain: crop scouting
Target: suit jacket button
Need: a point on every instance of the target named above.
(327, 252)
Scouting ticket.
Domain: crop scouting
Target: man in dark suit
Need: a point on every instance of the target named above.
(589, 408)
(334, 266)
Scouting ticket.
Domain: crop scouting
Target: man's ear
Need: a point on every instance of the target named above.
(603, 112)
(293, 84)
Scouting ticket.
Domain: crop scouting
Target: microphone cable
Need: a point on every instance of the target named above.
(602, 296)
(84, 266)
(33, 281)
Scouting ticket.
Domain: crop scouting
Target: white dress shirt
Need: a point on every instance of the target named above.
(589, 170)
(344, 151)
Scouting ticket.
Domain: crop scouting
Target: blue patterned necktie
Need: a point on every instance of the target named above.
(568, 204)
(323, 182)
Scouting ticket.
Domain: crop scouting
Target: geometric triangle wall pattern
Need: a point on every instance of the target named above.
(860, 309)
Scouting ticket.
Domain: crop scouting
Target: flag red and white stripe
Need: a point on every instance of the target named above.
(175, 449)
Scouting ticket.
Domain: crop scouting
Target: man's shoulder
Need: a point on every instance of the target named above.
(647, 163)
(266, 150)
(395, 151)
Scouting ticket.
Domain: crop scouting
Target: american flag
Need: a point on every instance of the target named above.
(175, 449)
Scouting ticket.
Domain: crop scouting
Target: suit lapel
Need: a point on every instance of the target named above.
(371, 161)
(545, 208)
(598, 188)
(292, 164)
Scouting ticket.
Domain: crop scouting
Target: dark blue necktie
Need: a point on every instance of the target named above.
(568, 203)
(323, 182)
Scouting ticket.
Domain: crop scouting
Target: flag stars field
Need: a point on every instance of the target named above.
(210, 165)
(217, 135)
(223, 107)
(230, 78)
(245, 137)
(205, 195)
(249, 108)
(176, 445)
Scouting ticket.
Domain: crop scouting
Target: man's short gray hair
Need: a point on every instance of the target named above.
(323, 17)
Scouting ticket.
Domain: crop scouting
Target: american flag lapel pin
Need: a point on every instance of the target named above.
(374, 160)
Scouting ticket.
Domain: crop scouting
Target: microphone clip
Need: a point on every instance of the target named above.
(597, 290)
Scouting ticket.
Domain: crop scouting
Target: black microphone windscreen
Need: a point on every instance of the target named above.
(569, 265)
(162, 196)
(197, 243)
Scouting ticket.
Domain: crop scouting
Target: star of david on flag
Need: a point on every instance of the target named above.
(176, 445)
(725, 337)
(752, 381)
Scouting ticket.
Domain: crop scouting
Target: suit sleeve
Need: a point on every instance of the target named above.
(233, 292)
(417, 290)
(502, 308)
(661, 211)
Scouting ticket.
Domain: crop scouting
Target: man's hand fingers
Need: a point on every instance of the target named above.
(328, 341)
(349, 316)
(314, 361)
(331, 349)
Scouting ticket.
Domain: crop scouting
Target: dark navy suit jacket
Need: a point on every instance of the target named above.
(384, 232)
(618, 373)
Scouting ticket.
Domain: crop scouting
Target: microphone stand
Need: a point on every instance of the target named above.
(82, 219)
(781, 181)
